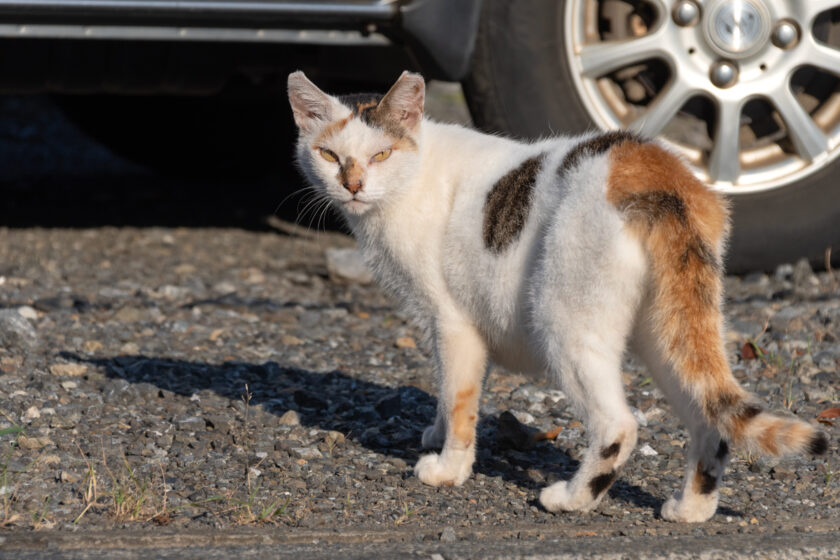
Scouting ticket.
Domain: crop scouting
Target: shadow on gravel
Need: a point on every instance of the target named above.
(386, 420)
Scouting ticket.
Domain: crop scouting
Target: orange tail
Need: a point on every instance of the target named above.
(683, 225)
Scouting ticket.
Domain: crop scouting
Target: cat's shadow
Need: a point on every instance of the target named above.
(388, 421)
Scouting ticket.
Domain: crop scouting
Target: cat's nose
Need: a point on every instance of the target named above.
(354, 186)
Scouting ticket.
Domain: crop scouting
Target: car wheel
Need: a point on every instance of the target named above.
(746, 90)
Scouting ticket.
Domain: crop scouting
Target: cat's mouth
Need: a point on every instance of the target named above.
(356, 206)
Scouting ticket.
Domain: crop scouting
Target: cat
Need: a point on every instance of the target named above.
(547, 257)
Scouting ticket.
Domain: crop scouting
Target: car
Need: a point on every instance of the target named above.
(746, 90)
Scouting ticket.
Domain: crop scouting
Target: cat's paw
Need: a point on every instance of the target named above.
(556, 497)
(433, 437)
(560, 497)
(437, 470)
(694, 509)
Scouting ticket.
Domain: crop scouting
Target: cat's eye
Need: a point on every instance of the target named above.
(382, 156)
(328, 155)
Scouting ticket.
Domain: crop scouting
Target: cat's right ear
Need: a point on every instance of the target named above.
(310, 105)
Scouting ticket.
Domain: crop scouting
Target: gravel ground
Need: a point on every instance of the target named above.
(219, 377)
(208, 378)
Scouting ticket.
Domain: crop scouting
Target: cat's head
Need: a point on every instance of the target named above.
(359, 149)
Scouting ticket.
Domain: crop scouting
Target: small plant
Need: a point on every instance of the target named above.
(8, 516)
(88, 493)
(39, 516)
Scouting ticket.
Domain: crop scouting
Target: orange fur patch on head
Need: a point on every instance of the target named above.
(332, 129)
(464, 415)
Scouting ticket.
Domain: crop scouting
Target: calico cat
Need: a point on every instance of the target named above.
(550, 257)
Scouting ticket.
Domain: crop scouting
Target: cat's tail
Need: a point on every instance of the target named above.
(683, 225)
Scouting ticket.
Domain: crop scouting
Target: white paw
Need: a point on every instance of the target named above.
(435, 470)
(433, 437)
(700, 508)
(561, 497)
(556, 497)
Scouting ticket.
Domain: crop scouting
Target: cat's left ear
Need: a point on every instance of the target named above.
(404, 101)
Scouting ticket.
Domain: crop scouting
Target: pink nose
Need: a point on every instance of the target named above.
(353, 187)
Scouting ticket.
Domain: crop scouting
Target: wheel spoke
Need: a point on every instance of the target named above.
(602, 58)
(662, 110)
(807, 10)
(808, 138)
(725, 159)
(824, 57)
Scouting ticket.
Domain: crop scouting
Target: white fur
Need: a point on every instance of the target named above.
(561, 299)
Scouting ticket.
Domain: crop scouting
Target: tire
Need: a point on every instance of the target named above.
(521, 84)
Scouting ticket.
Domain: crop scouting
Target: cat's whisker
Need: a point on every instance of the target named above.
(291, 194)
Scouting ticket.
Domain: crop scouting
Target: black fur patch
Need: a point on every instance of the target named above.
(508, 203)
(361, 103)
(368, 108)
(749, 413)
(722, 451)
(706, 481)
(611, 451)
(655, 205)
(818, 444)
(595, 146)
(699, 250)
(728, 403)
(600, 483)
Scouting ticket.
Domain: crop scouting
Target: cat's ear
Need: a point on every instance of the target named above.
(310, 105)
(404, 101)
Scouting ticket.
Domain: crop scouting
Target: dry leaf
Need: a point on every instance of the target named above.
(829, 413)
(748, 351)
(549, 435)
(405, 342)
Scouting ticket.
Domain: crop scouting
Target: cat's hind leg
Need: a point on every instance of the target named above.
(584, 318)
(707, 453)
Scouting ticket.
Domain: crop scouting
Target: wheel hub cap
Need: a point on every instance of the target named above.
(737, 28)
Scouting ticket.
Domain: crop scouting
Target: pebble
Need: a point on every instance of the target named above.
(334, 438)
(290, 340)
(33, 442)
(647, 450)
(307, 453)
(524, 417)
(448, 535)
(289, 418)
(68, 370)
(27, 312)
(639, 416)
(31, 414)
(15, 331)
(347, 265)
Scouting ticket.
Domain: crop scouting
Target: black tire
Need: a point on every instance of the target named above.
(520, 84)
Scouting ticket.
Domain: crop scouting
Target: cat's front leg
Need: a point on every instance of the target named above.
(461, 359)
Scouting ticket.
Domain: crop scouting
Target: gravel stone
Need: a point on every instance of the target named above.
(448, 535)
(347, 265)
(290, 418)
(15, 331)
